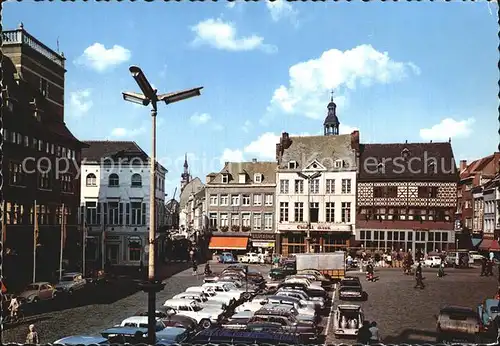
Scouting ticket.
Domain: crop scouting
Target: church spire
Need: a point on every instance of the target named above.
(185, 176)
(331, 124)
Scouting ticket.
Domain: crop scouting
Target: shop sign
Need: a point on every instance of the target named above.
(263, 244)
(314, 227)
(263, 236)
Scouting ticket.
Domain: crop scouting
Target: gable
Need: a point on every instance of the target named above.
(314, 166)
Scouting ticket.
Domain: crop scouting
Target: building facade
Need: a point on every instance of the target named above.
(41, 163)
(491, 220)
(240, 202)
(172, 215)
(115, 190)
(406, 197)
(186, 211)
(316, 189)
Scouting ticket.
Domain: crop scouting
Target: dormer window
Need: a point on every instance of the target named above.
(225, 178)
(257, 177)
(339, 163)
(242, 178)
(292, 165)
(405, 153)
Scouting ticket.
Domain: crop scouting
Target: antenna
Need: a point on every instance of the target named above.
(57, 43)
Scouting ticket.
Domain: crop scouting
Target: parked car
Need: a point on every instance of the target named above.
(285, 310)
(218, 336)
(458, 324)
(205, 317)
(228, 301)
(281, 273)
(170, 319)
(476, 256)
(352, 293)
(38, 291)
(71, 282)
(315, 304)
(347, 319)
(141, 322)
(85, 340)
(250, 257)
(489, 313)
(433, 261)
(227, 257)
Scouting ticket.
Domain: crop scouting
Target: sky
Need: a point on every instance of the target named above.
(415, 71)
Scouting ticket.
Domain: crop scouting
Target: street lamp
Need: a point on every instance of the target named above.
(309, 178)
(150, 96)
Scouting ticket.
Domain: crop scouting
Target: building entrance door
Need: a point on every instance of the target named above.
(112, 253)
(420, 247)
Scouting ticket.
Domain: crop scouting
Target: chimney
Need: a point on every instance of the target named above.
(254, 160)
(355, 140)
(463, 165)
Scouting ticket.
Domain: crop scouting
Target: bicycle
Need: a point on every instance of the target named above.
(17, 318)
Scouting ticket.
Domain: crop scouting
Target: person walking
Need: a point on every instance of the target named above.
(195, 268)
(418, 277)
(483, 266)
(32, 337)
(374, 333)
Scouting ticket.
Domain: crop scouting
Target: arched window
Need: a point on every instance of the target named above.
(136, 180)
(91, 179)
(114, 180)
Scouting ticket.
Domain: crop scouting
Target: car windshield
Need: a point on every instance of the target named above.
(32, 287)
(67, 278)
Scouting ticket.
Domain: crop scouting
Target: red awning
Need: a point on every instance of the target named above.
(228, 243)
(489, 245)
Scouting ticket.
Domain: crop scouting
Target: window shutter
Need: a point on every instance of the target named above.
(120, 214)
(143, 219)
(98, 221)
(105, 213)
(127, 214)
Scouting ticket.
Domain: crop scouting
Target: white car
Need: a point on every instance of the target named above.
(224, 289)
(141, 322)
(201, 299)
(212, 295)
(433, 261)
(251, 257)
(253, 306)
(347, 319)
(476, 256)
(190, 308)
(315, 284)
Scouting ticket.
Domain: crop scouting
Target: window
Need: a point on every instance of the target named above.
(246, 219)
(299, 186)
(134, 248)
(44, 87)
(346, 185)
(314, 212)
(346, 212)
(269, 199)
(235, 200)
(427, 191)
(26, 141)
(299, 211)
(292, 165)
(16, 174)
(268, 221)
(66, 183)
(91, 208)
(91, 179)
(330, 212)
(44, 179)
(224, 222)
(213, 199)
(385, 192)
(467, 204)
(257, 221)
(257, 200)
(235, 220)
(246, 200)
(135, 208)
(19, 139)
(314, 185)
(224, 200)
(330, 185)
(257, 177)
(283, 211)
(136, 180)
(225, 178)
(339, 163)
(113, 213)
(113, 180)
(212, 219)
(283, 186)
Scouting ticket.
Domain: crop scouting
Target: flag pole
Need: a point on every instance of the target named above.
(62, 242)
(35, 239)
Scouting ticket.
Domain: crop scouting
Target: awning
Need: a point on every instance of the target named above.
(475, 242)
(228, 243)
(489, 244)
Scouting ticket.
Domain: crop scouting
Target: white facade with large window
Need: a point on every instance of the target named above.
(115, 209)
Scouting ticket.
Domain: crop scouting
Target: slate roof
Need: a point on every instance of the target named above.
(425, 162)
(267, 169)
(325, 149)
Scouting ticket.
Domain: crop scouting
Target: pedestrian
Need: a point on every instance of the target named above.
(374, 333)
(32, 337)
(483, 266)
(418, 277)
(195, 268)
(489, 268)
(364, 334)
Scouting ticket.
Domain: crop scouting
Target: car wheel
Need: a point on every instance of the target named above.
(206, 324)
(36, 300)
(246, 296)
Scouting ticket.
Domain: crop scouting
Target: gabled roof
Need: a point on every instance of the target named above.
(424, 162)
(233, 169)
(477, 166)
(325, 149)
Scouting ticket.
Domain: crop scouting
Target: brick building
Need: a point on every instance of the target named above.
(406, 197)
(36, 140)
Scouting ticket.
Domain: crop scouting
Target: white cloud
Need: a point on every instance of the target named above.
(280, 9)
(247, 126)
(121, 132)
(223, 35)
(448, 128)
(346, 129)
(80, 102)
(99, 58)
(231, 156)
(311, 80)
(199, 119)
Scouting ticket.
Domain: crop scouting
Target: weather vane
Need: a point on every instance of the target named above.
(332, 94)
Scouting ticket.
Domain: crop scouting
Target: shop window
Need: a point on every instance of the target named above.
(134, 248)
(445, 237)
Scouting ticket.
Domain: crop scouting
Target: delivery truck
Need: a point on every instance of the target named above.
(330, 264)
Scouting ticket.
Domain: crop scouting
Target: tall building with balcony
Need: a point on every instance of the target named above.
(41, 162)
(240, 202)
(115, 204)
(406, 197)
(316, 189)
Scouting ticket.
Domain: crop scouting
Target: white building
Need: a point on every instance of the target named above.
(328, 165)
(115, 194)
(187, 203)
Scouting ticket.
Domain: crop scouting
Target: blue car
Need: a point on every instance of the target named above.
(227, 257)
(488, 311)
(128, 335)
(82, 340)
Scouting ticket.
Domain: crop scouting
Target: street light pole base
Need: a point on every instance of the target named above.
(152, 287)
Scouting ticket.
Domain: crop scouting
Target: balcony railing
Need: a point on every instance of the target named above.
(20, 36)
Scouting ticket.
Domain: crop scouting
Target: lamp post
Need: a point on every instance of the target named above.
(309, 178)
(150, 96)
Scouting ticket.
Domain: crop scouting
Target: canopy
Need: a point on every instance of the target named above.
(228, 243)
(489, 245)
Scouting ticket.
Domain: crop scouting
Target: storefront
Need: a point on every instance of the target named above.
(236, 244)
(324, 237)
(262, 242)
